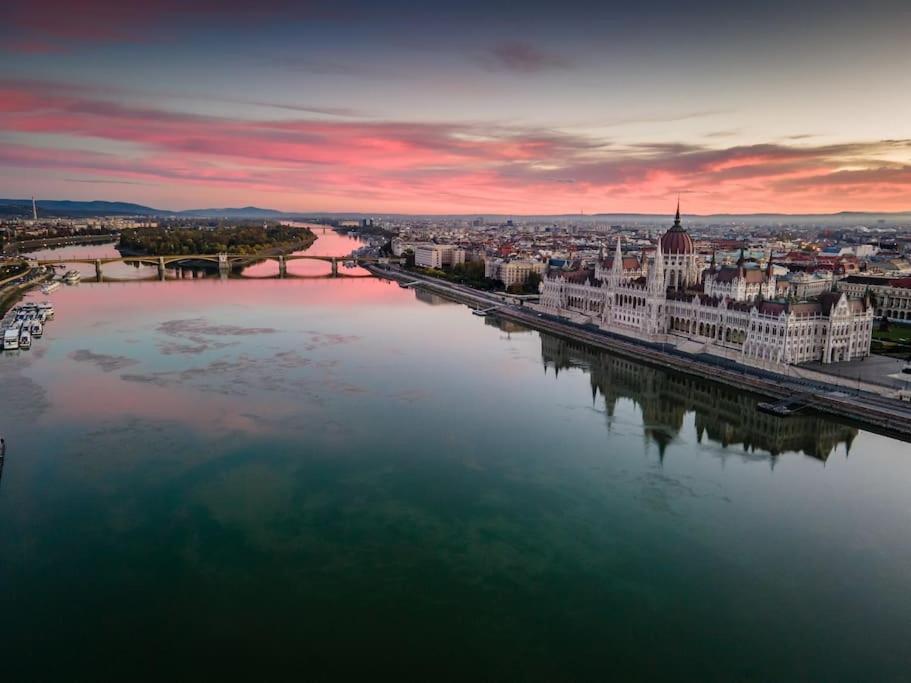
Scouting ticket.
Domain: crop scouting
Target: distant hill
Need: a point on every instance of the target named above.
(23, 207)
(243, 212)
(63, 207)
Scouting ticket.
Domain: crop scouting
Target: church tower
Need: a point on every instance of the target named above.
(771, 287)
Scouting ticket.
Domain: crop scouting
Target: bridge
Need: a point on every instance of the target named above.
(225, 262)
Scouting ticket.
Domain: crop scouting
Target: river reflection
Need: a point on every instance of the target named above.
(722, 415)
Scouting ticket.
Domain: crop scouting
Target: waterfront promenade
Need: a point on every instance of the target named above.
(887, 415)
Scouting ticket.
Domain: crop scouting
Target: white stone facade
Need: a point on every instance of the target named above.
(731, 311)
(891, 296)
(514, 272)
(438, 255)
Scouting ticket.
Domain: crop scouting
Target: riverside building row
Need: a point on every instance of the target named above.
(731, 311)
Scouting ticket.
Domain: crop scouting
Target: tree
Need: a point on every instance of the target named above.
(532, 283)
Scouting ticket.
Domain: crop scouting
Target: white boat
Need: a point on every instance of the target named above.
(11, 339)
(25, 340)
(37, 329)
(71, 277)
(47, 308)
(50, 287)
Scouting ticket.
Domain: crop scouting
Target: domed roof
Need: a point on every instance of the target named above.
(677, 240)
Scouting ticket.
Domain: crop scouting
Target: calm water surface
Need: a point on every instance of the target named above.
(316, 477)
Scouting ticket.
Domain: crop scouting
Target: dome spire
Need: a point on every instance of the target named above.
(677, 216)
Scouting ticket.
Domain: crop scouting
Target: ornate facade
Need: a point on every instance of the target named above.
(730, 310)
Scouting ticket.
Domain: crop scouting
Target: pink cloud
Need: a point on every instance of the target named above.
(439, 167)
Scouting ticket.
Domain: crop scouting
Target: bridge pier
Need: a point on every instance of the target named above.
(282, 266)
(161, 268)
(334, 267)
(98, 274)
(224, 266)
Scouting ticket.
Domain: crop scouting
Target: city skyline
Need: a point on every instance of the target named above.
(462, 108)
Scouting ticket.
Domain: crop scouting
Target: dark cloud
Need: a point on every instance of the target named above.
(523, 58)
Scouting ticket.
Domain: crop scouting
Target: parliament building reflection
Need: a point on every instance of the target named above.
(722, 414)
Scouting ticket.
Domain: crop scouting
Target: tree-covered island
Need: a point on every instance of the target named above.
(240, 239)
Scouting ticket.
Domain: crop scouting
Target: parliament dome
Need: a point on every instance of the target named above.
(677, 240)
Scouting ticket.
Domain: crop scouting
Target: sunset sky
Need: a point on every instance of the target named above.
(459, 107)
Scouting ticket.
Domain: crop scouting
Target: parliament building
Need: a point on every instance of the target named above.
(732, 311)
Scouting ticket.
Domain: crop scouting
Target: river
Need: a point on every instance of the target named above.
(325, 477)
(328, 243)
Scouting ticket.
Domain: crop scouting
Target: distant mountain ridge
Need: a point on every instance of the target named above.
(66, 207)
(61, 208)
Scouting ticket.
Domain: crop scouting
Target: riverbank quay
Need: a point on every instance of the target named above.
(24, 246)
(12, 288)
(885, 415)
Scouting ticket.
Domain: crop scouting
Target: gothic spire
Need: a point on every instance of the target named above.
(616, 273)
(677, 216)
(657, 284)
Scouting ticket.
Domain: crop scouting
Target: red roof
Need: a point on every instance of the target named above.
(677, 241)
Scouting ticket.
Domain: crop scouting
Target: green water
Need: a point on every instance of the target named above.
(338, 478)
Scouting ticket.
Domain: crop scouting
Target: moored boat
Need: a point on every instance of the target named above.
(11, 339)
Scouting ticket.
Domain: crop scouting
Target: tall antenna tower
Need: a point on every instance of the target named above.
(34, 210)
